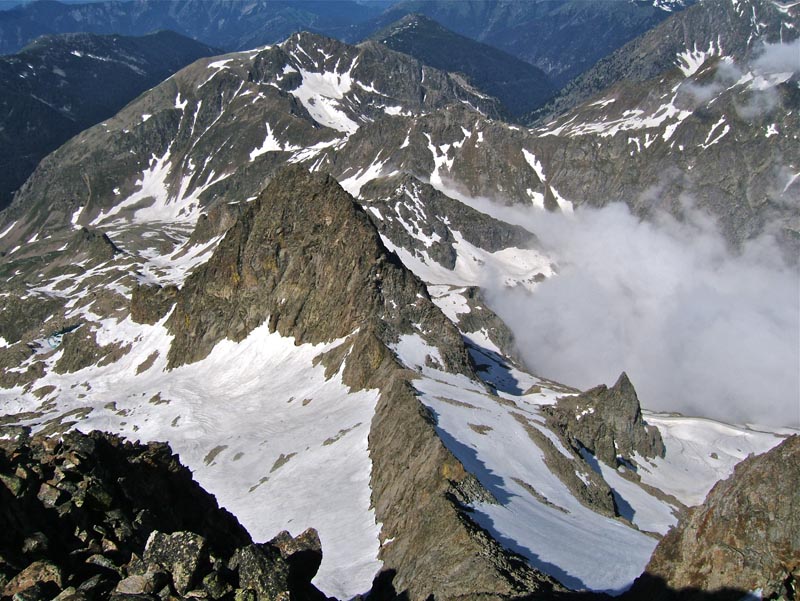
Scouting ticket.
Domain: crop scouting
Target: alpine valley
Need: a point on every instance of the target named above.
(293, 264)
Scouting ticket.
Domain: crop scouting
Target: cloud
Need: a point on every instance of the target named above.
(778, 58)
(699, 329)
(770, 66)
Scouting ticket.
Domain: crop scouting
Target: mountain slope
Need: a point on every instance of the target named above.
(518, 85)
(710, 28)
(298, 100)
(60, 85)
(744, 536)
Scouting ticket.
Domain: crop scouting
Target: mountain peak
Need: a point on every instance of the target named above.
(517, 84)
(306, 258)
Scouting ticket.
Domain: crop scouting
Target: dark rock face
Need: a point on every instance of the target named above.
(305, 257)
(607, 422)
(519, 85)
(745, 536)
(150, 303)
(92, 517)
(60, 85)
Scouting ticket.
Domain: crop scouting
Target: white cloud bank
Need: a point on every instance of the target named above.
(700, 330)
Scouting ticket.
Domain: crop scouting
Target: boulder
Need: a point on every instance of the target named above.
(182, 554)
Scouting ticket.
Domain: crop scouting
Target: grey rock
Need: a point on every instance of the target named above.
(147, 583)
(303, 553)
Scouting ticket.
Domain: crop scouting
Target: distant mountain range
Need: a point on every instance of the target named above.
(561, 37)
(62, 84)
(231, 25)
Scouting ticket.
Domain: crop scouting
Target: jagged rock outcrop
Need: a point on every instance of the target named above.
(745, 536)
(607, 422)
(95, 244)
(307, 258)
(93, 517)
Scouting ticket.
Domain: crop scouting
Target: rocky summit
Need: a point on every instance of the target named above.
(607, 422)
(93, 517)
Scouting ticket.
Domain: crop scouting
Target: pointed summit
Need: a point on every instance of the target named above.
(520, 86)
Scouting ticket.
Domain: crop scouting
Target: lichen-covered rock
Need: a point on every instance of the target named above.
(744, 537)
(182, 554)
(36, 572)
(263, 570)
(607, 422)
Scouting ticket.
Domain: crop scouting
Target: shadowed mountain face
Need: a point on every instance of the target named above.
(231, 25)
(518, 85)
(60, 85)
(562, 38)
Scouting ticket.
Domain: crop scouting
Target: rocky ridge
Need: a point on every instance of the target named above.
(743, 537)
(286, 103)
(285, 260)
(92, 517)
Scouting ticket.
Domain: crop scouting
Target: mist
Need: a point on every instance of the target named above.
(700, 329)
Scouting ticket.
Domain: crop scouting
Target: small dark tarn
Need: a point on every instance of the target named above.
(54, 338)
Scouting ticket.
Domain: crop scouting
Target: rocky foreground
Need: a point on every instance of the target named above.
(93, 517)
